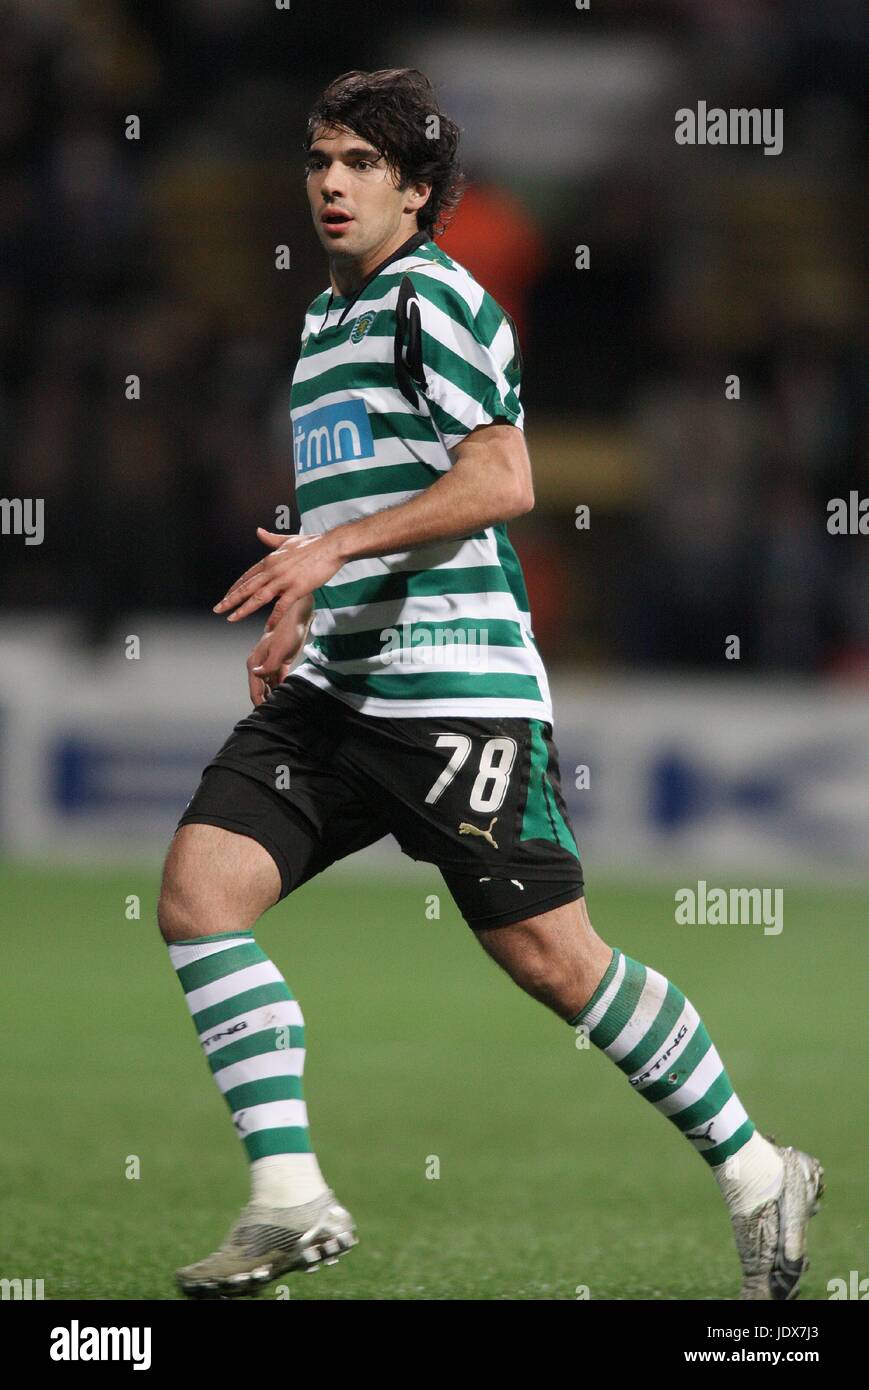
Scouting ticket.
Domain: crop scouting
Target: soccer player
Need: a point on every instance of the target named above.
(420, 708)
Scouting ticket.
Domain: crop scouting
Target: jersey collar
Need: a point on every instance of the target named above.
(338, 301)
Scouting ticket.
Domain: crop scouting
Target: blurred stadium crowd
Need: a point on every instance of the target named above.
(155, 256)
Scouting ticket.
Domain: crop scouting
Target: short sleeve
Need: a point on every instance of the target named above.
(470, 358)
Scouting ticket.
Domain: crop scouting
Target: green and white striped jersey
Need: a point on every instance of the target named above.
(387, 383)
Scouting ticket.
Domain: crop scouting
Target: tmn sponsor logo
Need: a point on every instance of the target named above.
(77, 1343)
(736, 126)
(22, 1288)
(461, 649)
(339, 433)
(737, 907)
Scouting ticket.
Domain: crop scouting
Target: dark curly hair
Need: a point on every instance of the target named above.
(393, 110)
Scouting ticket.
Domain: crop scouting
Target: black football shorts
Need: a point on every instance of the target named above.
(313, 780)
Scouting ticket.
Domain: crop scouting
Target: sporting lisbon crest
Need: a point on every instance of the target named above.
(361, 327)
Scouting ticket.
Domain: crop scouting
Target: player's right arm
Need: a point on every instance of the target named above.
(270, 661)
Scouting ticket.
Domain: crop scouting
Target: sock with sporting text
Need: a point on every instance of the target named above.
(656, 1037)
(253, 1036)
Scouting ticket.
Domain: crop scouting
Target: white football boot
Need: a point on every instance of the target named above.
(771, 1239)
(267, 1241)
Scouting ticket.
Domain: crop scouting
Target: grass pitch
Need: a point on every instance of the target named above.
(553, 1175)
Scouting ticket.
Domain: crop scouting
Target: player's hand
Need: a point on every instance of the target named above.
(270, 661)
(297, 566)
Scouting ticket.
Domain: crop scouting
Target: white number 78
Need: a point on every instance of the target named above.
(496, 764)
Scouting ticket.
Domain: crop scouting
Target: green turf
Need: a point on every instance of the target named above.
(553, 1174)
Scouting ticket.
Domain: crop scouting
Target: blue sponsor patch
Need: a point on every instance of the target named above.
(339, 433)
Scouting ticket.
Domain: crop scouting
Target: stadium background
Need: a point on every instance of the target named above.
(708, 519)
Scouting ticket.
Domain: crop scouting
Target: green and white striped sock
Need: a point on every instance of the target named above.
(657, 1038)
(253, 1036)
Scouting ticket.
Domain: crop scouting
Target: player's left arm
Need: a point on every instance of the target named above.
(490, 481)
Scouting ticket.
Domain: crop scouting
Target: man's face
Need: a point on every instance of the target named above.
(347, 175)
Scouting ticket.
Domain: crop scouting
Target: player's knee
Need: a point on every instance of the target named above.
(214, 881)
(552, 977)
(552, 960)
(539, 969)
(189, 906)
(190, 896)
(177, 915)
(563, 984)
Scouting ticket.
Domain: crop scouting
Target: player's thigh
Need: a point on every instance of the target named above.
(215, 880)
(243, 844)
